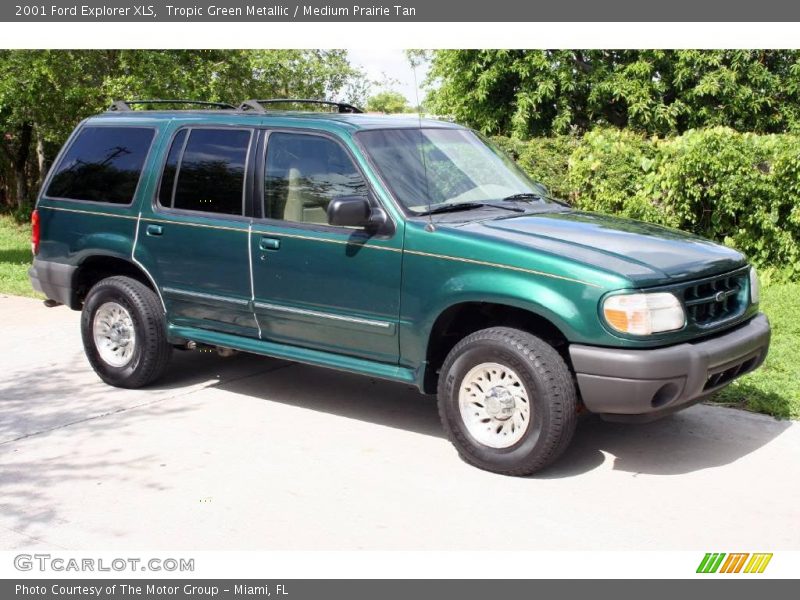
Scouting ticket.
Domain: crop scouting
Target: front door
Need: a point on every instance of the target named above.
(195, 243)
(316, 286)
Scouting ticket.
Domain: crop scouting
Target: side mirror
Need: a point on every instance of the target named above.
(354, 211)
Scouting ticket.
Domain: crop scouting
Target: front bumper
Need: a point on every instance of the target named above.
(623, 384)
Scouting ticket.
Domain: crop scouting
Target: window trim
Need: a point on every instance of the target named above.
(156, 205)
(373, 198)
(71, 142)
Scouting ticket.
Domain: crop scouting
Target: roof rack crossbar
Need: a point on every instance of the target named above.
(259, 105)
(125, 105)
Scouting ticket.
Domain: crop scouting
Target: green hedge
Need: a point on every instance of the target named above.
(740, 189)
(544, 159)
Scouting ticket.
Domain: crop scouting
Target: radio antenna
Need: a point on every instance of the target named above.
(430, 226)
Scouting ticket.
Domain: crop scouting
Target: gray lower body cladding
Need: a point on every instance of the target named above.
(52, 279)
(630, 384)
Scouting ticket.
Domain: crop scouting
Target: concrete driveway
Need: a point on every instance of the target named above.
(254, 453)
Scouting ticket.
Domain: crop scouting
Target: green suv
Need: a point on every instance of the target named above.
(400, 248)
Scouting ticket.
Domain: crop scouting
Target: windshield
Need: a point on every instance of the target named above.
(430, 167)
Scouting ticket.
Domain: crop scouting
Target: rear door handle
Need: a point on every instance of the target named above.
(154, 230)
(268, 243)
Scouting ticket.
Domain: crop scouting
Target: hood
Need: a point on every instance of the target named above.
(644, 253)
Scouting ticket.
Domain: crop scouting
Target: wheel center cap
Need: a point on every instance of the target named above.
(118, 333)
(500, 403)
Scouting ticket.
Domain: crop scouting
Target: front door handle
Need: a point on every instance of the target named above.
(268, 243)
(154, 230)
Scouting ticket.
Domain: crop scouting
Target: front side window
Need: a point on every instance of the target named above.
(303, 173)
(206, 171)
(429, 167)
(103, 164)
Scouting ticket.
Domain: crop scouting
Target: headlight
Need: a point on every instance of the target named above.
(755, 290)
(644, 314)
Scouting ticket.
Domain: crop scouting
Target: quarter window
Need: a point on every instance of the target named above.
(303, 173)
(167, 187)
(103, 164)
(209, 176)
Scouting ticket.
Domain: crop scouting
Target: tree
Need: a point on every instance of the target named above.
(389, 102)
(43, 94)
(539, 92)
(233, 75)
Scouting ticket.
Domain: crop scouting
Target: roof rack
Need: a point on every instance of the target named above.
(125, 105)
(260, 105)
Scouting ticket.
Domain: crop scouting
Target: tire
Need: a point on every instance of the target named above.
(133, 351)
(488, 382)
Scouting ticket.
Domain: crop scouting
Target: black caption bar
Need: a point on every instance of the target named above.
(400, 10)
(407, 589)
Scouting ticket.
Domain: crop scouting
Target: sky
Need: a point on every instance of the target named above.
(393, 63)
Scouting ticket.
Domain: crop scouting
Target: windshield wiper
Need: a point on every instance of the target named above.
(459, 206)
(534, 196)
(523, 196)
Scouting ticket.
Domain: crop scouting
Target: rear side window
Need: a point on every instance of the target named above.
(103, 164)
(209, 174)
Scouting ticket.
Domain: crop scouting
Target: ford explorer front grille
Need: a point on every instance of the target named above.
(716, 300)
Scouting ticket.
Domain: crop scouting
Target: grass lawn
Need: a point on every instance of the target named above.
(15, 257)
(774, 389)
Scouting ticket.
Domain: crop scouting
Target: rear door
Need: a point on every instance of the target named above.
(194, 241)
(335, 289)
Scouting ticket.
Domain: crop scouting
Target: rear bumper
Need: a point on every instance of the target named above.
(52, 279)
(647, 384)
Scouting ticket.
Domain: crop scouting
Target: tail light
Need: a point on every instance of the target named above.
(35, 232)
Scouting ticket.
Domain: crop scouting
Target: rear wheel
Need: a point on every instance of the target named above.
(507, 401)
(124, 332)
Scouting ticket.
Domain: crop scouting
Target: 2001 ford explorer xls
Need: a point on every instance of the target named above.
(404, 249)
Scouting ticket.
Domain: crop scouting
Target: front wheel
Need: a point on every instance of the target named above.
(507, 401)
(124, 332)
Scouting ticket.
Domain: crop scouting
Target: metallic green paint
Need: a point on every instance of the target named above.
(304, 355)
(203, 272)
(644, 253)
(366, 303)
(350, 279)
(69, 234)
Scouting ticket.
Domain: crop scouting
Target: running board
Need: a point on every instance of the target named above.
(294, 353)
